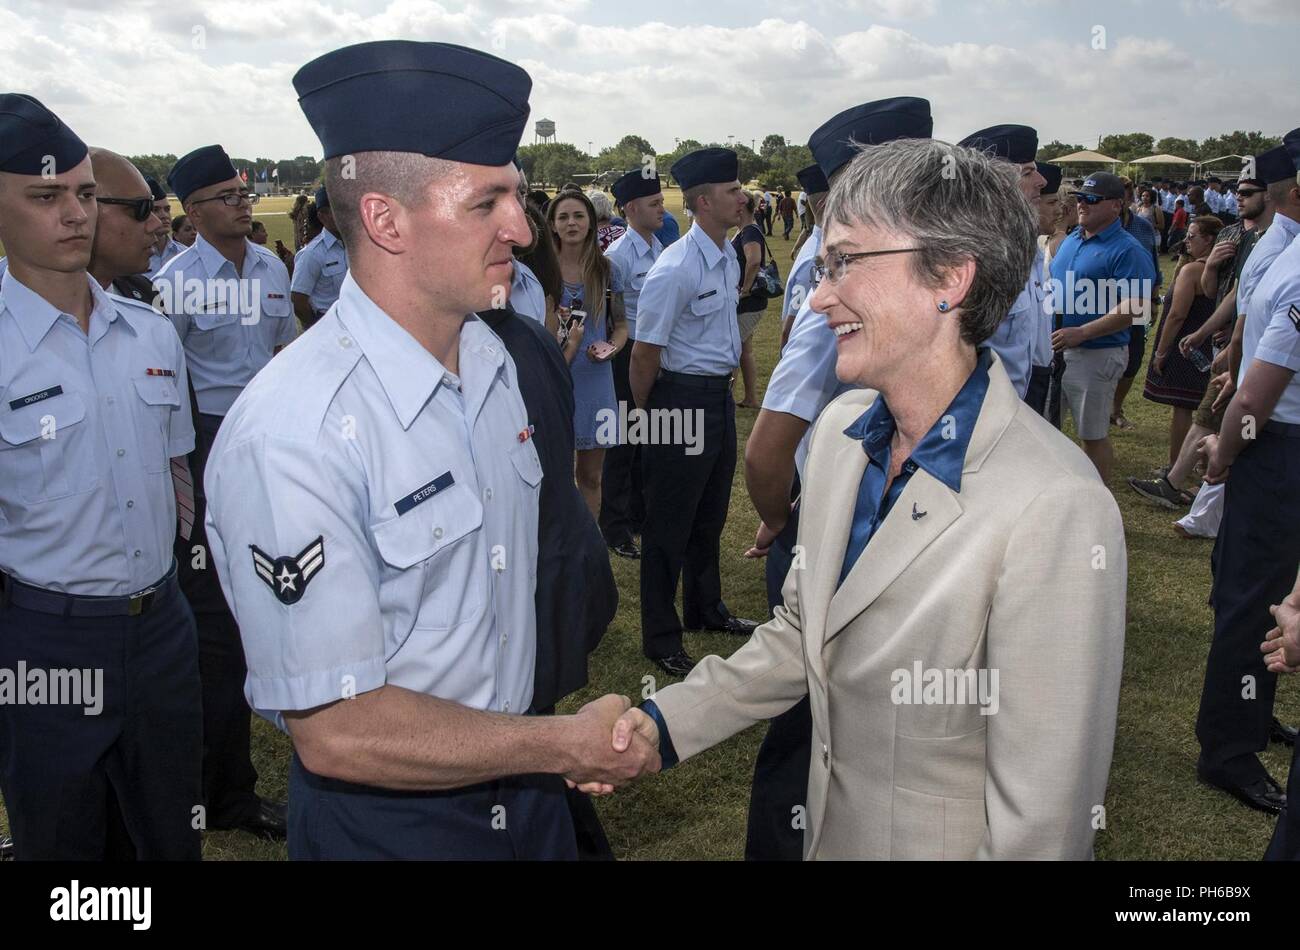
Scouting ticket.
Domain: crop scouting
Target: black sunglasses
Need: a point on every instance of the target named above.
(141, 208)
(1092, 199)
(1247, 192)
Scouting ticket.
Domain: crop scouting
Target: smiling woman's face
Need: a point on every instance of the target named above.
(884, 320)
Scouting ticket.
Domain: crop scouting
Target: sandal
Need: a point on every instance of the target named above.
(1121, 422)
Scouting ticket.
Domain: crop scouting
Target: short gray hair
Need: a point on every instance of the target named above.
(954, 203)
(601, 203)
(404, 176)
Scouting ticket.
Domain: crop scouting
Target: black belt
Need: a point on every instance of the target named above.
(1287, 430)
(79, 605)
(696, 382)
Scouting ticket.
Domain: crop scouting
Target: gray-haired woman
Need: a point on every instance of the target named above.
(958, 618)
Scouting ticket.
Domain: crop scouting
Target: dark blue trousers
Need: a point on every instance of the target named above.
(781, 769)
(523, 818)
(686, 499)
(1255, 558)
(1285, 845)
(72, 781)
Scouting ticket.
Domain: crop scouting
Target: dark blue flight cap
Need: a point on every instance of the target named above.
(1291, 141)
(872, 123)
(635, 185)
(1277, 164)
(322, 199)
(1053, 175)
(202, 167)
(811, 180)
(706, 166)
(1014, 143)
(155, 189)
(434, 99)
(31, 135)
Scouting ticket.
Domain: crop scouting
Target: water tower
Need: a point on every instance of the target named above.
(544, 131)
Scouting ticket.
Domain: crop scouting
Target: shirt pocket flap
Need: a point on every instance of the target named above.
(526, 463)
(713, 301)
(429, 527)
(276, 306)
(221, 315)
(44, 418)
(158, 391)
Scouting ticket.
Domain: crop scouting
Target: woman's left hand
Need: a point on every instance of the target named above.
(1158, 361)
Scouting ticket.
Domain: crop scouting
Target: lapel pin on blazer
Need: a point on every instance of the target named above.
(917, 515)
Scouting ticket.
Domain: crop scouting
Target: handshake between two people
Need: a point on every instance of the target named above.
(615, 743)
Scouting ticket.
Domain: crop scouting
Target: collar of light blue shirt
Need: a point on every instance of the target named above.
(711, 252)
(409, 373)
(639, 243)
(213, 260)
(942, 450)
(35, 315)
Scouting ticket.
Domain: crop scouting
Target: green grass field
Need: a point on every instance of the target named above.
(1154, 807)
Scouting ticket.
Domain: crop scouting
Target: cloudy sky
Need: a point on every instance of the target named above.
(145, 76)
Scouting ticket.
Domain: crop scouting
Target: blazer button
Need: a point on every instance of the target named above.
(826, 756)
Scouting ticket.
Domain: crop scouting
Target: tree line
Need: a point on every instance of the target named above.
(1127, 146)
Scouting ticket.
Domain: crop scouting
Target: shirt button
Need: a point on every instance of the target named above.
(137, 554)
(437, 532)
(507, 708)
(121, 452)
(826, 756)
(130, 503)
(345, 342)
(110, 400)
(487, 493)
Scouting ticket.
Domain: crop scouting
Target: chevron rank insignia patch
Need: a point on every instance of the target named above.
(288, 577)
(1294, 314)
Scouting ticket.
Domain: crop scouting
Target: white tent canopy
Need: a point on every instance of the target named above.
(1162, 160)
(1085, 158)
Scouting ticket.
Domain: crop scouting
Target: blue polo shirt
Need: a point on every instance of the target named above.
(1090, 276)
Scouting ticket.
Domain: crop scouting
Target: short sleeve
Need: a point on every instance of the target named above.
(306, 270)
(312, 637)
(804, 380)
(1280, 343)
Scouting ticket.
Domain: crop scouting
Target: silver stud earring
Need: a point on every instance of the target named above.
(943, 306)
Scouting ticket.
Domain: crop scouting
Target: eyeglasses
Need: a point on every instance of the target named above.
(141, 208)
(1247, 192)
(835, 265)
(232, 200)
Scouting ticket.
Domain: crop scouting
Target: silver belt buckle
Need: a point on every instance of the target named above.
(139, 601)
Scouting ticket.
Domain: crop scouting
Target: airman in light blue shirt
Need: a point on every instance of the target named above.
(230, 323)
(88, 425)
(1272, 330)
(408, 502)
(156, 261)
(633, 258)
(318, 271)
(688, 306)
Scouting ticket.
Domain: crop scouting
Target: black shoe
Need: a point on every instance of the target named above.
(6, 848)
(679, 664)
(627, 549)
(1263, 794)
(1283, 734)
(268, 822)
(735, 625)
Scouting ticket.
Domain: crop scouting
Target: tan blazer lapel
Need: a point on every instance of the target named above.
(923, 512)
(824, 534)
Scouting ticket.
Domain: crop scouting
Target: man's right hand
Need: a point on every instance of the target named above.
(599, 765)
(1227, 386)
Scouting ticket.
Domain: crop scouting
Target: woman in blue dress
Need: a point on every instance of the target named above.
(591, 287)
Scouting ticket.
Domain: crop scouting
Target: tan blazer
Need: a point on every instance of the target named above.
(1021, 574)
